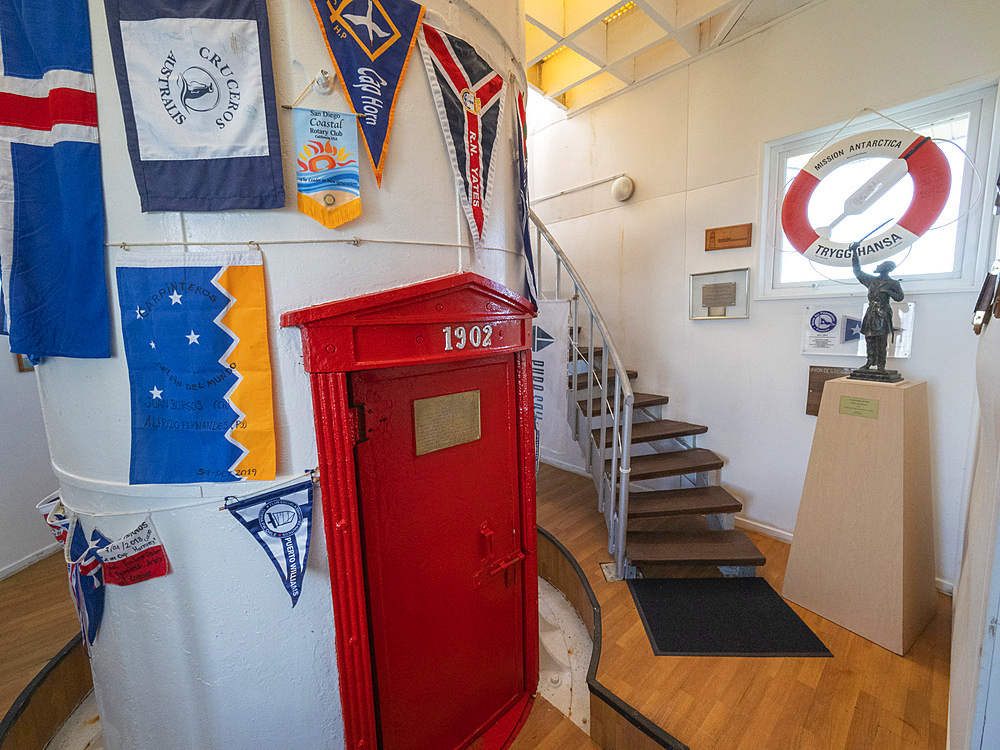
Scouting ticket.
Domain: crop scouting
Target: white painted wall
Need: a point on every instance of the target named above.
(693, 142)
(212, 655)
(25, 474)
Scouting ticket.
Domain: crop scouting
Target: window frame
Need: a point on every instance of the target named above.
(975, 232)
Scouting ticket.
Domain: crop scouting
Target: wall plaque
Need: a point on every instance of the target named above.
(727, 238)
(444, 421)
(720, 294)
(817, 379)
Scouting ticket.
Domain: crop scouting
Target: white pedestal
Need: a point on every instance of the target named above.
(863, 551)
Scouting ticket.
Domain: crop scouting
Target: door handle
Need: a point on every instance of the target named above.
(499, 566)
(485, 541)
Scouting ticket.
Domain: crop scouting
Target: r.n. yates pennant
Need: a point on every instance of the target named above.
(469, 96)
(370, 42)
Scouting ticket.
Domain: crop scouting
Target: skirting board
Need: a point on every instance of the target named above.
(24, 562)
(945, 587)
(565, 466)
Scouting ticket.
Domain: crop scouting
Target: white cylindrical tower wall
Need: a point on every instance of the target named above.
(213, 655)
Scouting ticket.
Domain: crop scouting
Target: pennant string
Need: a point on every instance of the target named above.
(355, 241)
(227, 505)
(183, 506)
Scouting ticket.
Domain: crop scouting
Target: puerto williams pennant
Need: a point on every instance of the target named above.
(469, 96)
(531, 283)
(195, 331)
(370, 42)
(326, 168)
(197, 94)
(281, 522)
(53, 295)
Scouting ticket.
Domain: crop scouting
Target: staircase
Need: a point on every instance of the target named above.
(659, 492)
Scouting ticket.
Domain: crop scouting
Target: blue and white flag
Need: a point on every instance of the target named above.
(86, 578)
(197, 94)
(281, 522)
(195, 331)
(530, 281)
(53, 298)
(851, 330)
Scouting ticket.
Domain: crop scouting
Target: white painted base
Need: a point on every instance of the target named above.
(82, 730)
(565, 648)
(24, 562)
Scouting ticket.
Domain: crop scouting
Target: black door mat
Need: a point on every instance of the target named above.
(720, 617)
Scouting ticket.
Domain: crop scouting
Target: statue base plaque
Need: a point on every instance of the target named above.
(877, 376)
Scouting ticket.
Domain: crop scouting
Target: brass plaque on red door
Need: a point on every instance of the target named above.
(443, 421)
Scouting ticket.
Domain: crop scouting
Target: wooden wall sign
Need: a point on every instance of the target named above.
(728, 238)
(817, 378)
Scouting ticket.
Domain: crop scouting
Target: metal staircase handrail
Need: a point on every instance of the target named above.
(617, 486)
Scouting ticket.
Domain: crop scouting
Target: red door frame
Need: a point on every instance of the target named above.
(412, 325)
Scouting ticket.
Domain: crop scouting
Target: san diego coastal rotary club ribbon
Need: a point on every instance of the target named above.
(326, 172)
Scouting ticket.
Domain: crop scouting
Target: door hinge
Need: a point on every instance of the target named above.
(356, 423)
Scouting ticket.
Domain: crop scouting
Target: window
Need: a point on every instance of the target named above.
(948, 257)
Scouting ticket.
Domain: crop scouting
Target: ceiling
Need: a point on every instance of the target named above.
(581, 51)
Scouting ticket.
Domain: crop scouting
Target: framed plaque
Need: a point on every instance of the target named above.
(720, 294)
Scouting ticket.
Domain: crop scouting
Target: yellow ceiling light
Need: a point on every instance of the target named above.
(553, 53)
(619, 13)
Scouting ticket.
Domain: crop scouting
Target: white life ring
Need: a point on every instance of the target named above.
(927, 166)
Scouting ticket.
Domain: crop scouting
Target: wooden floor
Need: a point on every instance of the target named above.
(37, 619)
(865, 697)
(548, 729)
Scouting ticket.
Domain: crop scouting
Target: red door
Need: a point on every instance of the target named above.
(442, 546)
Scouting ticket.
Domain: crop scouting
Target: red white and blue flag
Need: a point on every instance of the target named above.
(86, 578)
(53, 300)
(197, 94)
(469, 96)
(58, 518)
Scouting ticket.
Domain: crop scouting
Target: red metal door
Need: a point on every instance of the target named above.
(443, 549)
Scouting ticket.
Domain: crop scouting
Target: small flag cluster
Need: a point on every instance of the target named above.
(280, 519)
(94, 561)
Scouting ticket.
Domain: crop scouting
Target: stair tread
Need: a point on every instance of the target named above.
(679, 502)
(672, 464)
(641, 401)
(690, 541)
(583, 377)
(660, 429)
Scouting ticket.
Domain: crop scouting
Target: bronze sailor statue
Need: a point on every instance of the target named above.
(877, 323)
